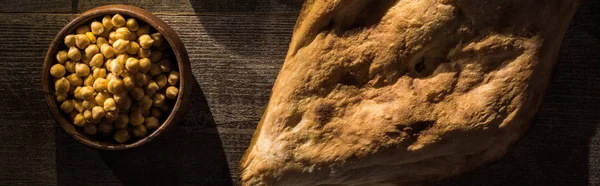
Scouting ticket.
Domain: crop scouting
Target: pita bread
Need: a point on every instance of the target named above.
(398, 92)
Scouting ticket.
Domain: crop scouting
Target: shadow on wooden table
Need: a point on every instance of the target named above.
(192, 153)
(560, 147)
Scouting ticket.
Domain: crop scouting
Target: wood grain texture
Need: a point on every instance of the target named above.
(203, 6)
(50, 6)
(235, 59)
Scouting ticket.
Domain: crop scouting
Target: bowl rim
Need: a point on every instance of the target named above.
(169, 35)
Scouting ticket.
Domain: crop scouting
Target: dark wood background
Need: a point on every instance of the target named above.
(236, 49)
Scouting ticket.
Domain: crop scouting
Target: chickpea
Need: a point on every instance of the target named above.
(133, 48)
(91, 37)
(112, 37)
(156, 56)
(87, 92)
(151, 122)
(90, 129)
(128, 83)
(70, 66)
(57, 70)
(88, 104)
(99, 73)
(98, 112)
(119, 97)
(91, 50)
(82, 29)
(161, 80)
(122, 33)
(144, 113)
(132, 64)
(118, 20)
(87, 115)
(137, 93)
(101, 41)
(127, 74)
(82, 70)
(107, 22)
(96, 61)
(97, 27)
(173, 78)
(158, 39)
(101, 98)
(74, 80)
(144, 29)
(140, 79)
(70, 40)
(76, 92)
(62, 57)
(158, 99)
(164, 65)
(79, 120)
(104, 35)
(111, 76)
(122, 121)
(122, 58)
(85, 60)
(125, 104)
(136, 118)
(155, 112)
(78, 106)
(121, 136)
(62, 85)
(145, 41)
(121, 46)
(61, 96)
(172, 92)
(151, 87)
(154, 70)
(105, 128)
(89, 81)
(74, 54)
(112, 115)
(132, 37)
(110, 105)
(144, 52)
(132, 24)
(139, 131)
(108, 51)
(115, 85)
(67, 106)
(100, 84)
(82, 41)
(116, 68)
(144, 65)
(145, 103)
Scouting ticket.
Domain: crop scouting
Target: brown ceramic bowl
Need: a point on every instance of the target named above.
(170, 36)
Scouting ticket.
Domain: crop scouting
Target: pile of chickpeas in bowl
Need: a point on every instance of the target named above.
(114, 79)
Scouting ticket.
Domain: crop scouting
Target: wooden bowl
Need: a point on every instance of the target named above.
(169, 35)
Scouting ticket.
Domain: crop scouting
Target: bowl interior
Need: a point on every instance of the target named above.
(179, 54)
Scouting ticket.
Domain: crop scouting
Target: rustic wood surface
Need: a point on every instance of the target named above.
(236, 49)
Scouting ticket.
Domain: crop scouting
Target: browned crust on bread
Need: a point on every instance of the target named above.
(376, 92)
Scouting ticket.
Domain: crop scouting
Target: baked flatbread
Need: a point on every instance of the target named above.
(406, 91)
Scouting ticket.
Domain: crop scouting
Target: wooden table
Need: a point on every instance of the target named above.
(236, 49)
